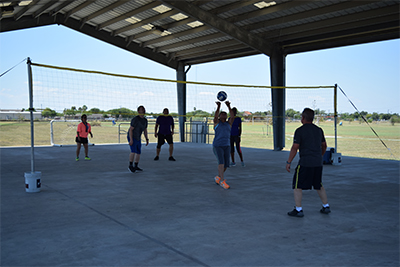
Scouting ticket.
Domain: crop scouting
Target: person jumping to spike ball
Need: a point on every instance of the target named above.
(138, 125)
(84, 129)
(221, 143)
(236, 132)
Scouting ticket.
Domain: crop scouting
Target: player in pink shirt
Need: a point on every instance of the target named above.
(84, 129)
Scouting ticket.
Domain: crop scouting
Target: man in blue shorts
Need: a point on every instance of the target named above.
(309, 139)
(166, 124)
(138, 126)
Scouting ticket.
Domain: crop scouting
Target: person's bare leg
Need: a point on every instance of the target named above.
(233, 156)
(171, 149)
(86, 146)
(131, 157)
(322, 195)
(137, 158)
(78, 149)
(158, 151)
(221, 171)
(298, 194)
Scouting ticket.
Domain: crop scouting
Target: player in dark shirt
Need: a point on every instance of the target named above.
(138, 126)
(164, 130)
(309, 139)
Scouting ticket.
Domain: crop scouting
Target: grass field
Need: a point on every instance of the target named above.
(354, 139)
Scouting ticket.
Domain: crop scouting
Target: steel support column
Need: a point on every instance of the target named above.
(181, 90)
(278, 73)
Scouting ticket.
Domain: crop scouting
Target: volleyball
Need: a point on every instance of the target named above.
(221, 96)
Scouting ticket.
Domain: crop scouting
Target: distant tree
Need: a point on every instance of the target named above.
(385, 117)
(123, 112)
(49, 113)
(394, 119)
(95, 111)
(199, 113)
(84, 108)
(375, 116)
(291, 113)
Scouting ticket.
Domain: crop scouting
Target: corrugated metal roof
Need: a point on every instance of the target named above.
(242, 26)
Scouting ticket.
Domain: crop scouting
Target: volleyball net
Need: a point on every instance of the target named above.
(110, 101)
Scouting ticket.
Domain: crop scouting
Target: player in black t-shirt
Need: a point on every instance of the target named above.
(309, 139)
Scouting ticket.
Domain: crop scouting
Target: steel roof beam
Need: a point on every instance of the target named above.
(103, 10)
(206, 48)
(78, 8)
(146, 21)
(309, 14)
(118, 41)
(128, 14)
(337, 24)
(177, 35)
(25, 9)
(269, 10)
(211, 52)
(221, 25)
(41, 10)
(192, 41)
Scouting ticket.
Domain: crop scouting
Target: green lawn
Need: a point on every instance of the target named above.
(354, 139)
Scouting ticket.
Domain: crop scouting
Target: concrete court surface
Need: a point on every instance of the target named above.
(97, 213)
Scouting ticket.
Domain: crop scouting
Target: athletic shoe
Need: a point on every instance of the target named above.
(326, 210)
(87, 158)
(296, 213)
(217, 179)
(224, 185)
(77, 159)
(138, 169)
(171, 158)
(156, 158)
(233, 164)
(131, 168)
(243, 165)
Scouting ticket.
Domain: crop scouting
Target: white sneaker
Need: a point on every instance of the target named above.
(232, 164)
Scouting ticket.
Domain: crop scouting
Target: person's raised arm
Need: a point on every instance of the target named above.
(231, 113)
(217, 113)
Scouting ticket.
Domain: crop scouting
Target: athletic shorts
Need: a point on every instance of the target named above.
(222, 154)
(235, 139)
(136, 147)
(307, 177)
(161, 139)
(82, 141)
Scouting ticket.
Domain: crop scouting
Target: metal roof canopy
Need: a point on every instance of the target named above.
(181, 33)
(194, 32)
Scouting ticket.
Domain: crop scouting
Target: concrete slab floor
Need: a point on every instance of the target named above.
(97, 213)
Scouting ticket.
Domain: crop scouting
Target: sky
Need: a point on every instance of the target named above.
(369, 74)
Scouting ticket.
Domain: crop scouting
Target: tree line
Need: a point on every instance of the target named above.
(290, 114)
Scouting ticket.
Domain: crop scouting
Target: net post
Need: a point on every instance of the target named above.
(31, 113)
(51, 133)
(335, 114)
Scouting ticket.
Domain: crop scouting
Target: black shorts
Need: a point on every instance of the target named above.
(82, 141)
(162, 137)
(235, 139)
(307, 177)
